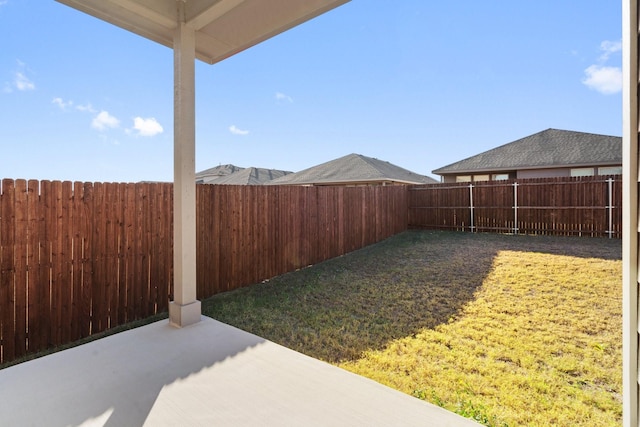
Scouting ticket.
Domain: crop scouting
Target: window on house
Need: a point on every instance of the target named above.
(463, 178)
(610, 170)
(501, 177)
(582, 172)
(481, 177)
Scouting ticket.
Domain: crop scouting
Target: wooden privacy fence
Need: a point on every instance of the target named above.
(251, 233)
(79, 258)
(584, 206)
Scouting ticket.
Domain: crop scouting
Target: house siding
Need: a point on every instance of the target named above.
(543, 173)
(529, 173)
(475, 176)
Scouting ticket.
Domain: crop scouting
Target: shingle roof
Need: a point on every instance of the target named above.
(216, 172)
(249, 176)
(353, 168)
(549, 148)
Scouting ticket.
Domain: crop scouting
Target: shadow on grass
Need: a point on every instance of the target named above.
(338, 309)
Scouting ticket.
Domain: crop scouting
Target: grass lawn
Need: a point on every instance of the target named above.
(508, 330)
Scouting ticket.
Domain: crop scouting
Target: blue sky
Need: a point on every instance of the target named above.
(420, 84)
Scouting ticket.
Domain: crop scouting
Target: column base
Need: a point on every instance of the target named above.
(184, 315)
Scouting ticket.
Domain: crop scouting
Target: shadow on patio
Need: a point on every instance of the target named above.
(206, 374)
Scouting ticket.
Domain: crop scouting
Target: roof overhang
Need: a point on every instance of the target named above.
(223, 27)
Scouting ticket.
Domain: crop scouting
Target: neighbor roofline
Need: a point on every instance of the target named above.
(342, 182)
(518, 168)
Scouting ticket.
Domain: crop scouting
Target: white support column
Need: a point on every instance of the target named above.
(515, 208)
(184, 309)
(471, 228)
(610, 206)
(630, 176)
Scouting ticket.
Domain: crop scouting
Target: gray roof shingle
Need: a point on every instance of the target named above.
(353, 168)
(216, 172)
(546, 149)
(249, 176)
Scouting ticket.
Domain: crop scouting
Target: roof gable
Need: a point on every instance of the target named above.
(354, 168)
(546, 149)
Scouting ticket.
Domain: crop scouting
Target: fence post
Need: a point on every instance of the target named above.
(610, 207)
(515, 208)
(471, 205)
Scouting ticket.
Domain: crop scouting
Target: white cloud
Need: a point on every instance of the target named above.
(61, 103)
(281, 97)
(608, 48)
(88, 108)
(234, 130)
(606, 80)
(104, 121)
(22, 82)
(147, 127)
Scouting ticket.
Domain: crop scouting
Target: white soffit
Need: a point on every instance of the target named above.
(223, 27)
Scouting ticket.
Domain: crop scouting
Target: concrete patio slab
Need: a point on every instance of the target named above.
(207, 374)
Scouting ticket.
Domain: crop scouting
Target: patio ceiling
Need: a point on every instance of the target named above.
(222, 27)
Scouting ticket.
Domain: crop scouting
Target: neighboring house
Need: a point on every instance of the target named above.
(353, 169)
(249, 176)
(550, 153)
(205, 176)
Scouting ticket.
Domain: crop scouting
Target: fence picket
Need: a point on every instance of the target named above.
(121, 252)
(7, 248)
(130, 249)
(65, 260)
(36, 319)
(21, 266)
(100, 303)
(78, 226)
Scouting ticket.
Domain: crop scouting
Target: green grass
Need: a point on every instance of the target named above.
(507, 330)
